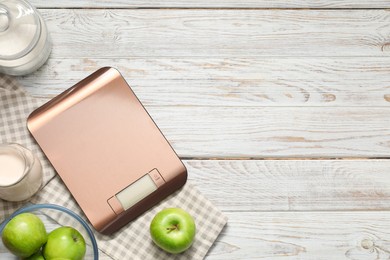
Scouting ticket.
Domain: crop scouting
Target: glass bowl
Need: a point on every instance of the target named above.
(54, 216)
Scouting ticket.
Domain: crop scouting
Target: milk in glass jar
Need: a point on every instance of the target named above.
(24, 41)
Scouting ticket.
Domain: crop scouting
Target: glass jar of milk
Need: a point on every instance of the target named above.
(20, 173)
(24, 40)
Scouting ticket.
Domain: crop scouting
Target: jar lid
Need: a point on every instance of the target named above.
(20, 28)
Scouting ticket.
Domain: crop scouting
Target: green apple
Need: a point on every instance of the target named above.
(173, 230)
(24, 234)
(37, 256)
(64, 243)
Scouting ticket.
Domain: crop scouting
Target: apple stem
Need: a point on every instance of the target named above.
(173, 227)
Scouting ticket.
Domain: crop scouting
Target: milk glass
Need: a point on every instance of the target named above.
(20, 173)
(24, 40)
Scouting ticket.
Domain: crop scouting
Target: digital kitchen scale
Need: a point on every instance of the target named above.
(108, 151)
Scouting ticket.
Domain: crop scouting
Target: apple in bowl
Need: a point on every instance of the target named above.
(64, 243)
(24, 235)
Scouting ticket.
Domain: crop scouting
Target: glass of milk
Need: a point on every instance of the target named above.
(24, 41)
(20, 173)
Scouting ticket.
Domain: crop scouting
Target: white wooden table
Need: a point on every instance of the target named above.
(279, 109)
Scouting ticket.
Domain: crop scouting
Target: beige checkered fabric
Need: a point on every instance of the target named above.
(15, 106)
(131, 242)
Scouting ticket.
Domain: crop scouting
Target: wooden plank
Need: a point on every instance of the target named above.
(86, 33)
(248, 82)
(213, 4)
(275, 131)
(304, 235)
(293, 185)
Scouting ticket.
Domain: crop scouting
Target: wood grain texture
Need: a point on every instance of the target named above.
(304, 235)
(275, 132)
(293, 185)
(246, 82)
(214, 4)
(251, 83)
(86, 33)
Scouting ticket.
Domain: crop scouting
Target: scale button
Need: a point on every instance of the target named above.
(115, 205)
(157, 178)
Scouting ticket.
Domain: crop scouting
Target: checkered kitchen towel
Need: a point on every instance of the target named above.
(131, 242)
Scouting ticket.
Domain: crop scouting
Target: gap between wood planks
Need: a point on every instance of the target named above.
(48, 97)
(281, 158)
(214, 8)
(306, 210)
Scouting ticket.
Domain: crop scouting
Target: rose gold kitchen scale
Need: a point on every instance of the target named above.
(106, 148)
